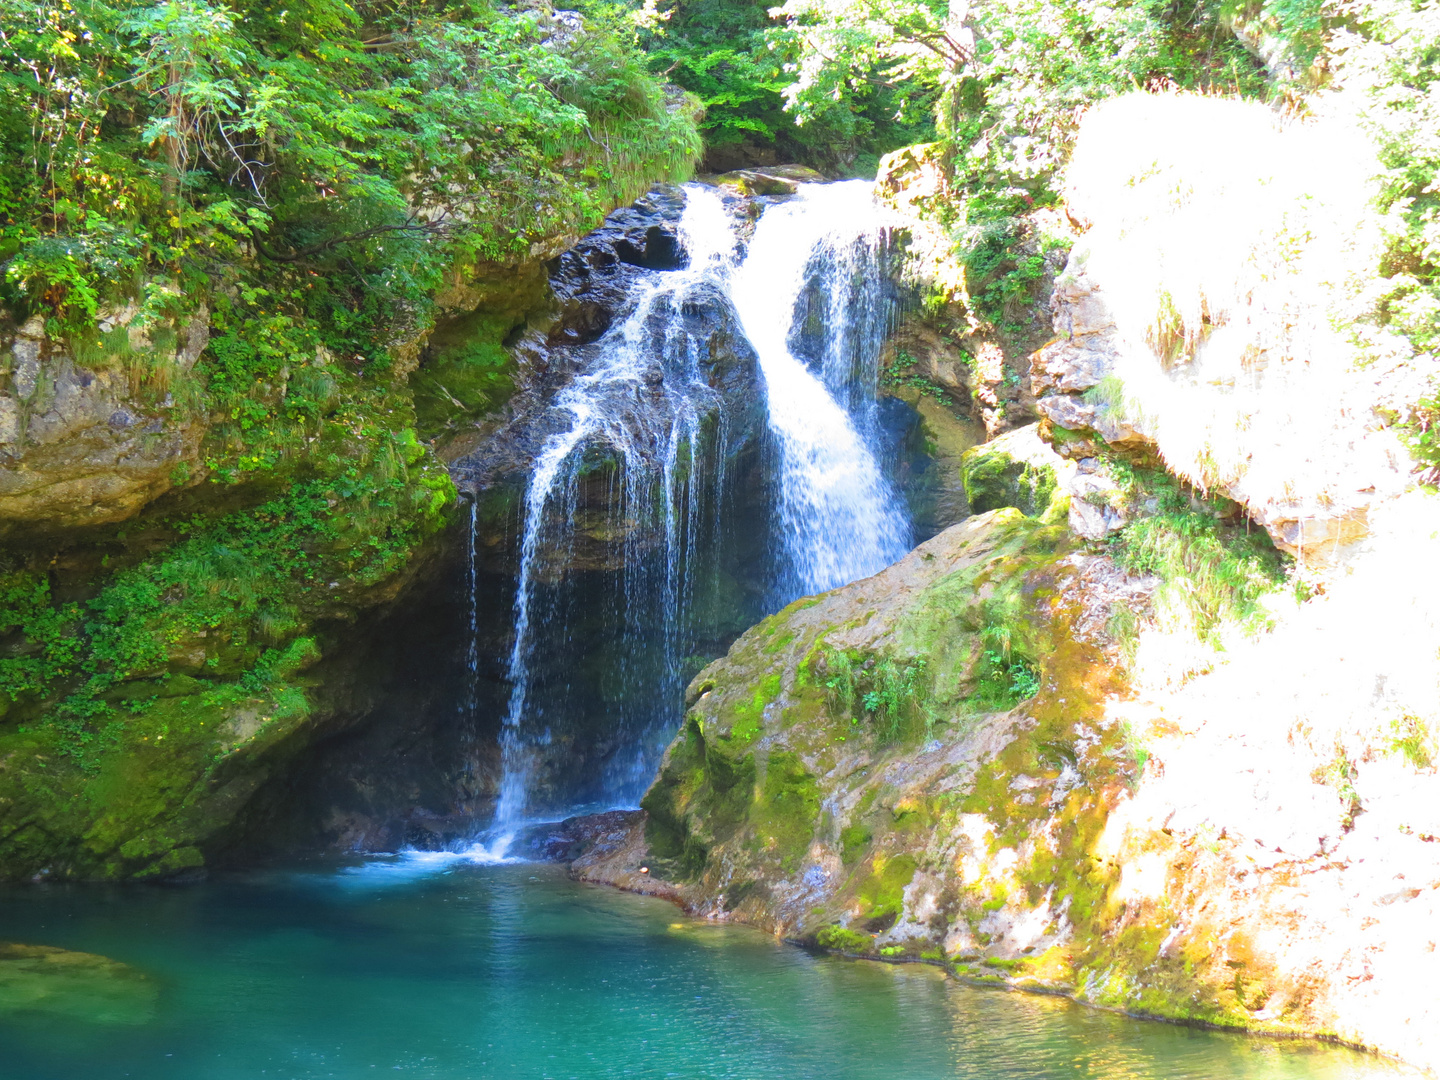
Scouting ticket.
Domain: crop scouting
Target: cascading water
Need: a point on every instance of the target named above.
(840, 517)
(644, 416)
(646, 402)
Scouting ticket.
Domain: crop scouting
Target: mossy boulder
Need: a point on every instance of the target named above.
(834, 762)
(1017, 469)
(929, 765)
(938, 763)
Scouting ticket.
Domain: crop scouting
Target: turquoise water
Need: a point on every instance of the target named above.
(451, 971)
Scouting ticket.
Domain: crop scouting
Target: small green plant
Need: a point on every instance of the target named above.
(1410, 738)
(1004, 677)
(884, 693)
(1137, 752)
(1339, 773)
(1211, 570)
(843, 940)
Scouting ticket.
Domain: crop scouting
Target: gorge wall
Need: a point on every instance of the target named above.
(1140, 758)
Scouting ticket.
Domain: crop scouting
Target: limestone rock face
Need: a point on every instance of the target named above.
(80, 445)
(1082, 401)
(881, 768)
(983, 364)
(1065, 374)
(851, 775)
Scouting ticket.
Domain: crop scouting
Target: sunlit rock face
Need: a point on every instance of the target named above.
(1243, 835)
(1255, 848)
(1208, 315)
(89, 436)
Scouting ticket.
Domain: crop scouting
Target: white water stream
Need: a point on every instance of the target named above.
(647, 401)
(841, 517)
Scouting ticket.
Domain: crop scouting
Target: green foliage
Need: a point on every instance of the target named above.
(1388, 68)
(1410, 738)
(887, 695)
(240, 590)
(1215, 572)
(1008, 84)
(334, 160)
(843, 940)
(1339, 773)
(1004, 678)
(735, 57)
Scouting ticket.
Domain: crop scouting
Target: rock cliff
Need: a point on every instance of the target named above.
(947, 762)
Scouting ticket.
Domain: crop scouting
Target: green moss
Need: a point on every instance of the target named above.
(843, 940)
(853, 841)
(786, 809)
(881, 894)
(464, 380)
(747, 715)
(1212, 565)
(994, 478)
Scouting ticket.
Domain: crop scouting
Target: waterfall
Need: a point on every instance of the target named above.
(840, 517)
(470, 699)
(642, 415)
(614, 406)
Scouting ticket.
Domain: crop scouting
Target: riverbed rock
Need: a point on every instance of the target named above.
(81, 987)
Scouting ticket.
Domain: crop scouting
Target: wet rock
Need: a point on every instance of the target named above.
(587, 837)
(1017, 469)
(842, 778)
(937, 495)
(771, 180)
(1074, 377)
(1098, 505)
(595, 286)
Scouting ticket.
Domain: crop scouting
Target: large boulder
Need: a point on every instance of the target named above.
(945, 762)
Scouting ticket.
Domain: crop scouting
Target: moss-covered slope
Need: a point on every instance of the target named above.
(931, 764)
(837, 769)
